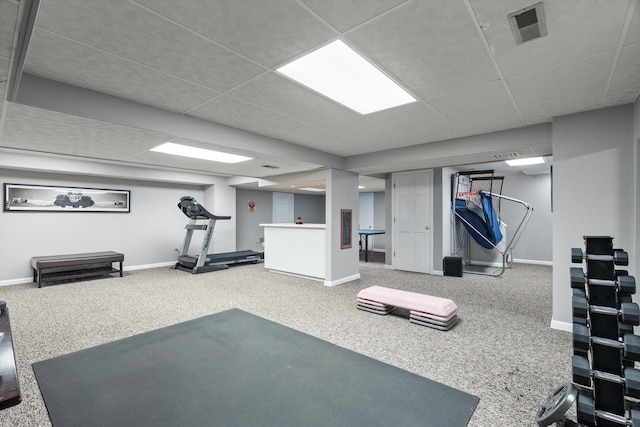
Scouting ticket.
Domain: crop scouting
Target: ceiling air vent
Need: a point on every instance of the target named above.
(506, 156)
(528, 23)
(271, 167)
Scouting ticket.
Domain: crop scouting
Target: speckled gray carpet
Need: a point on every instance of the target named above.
(502, 350)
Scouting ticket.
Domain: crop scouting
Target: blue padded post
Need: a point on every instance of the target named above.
(490, 216)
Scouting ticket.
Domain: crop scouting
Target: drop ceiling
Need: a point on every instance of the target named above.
(203, 74)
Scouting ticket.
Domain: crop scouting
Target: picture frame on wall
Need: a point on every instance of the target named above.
(345, 228)
(45, 198)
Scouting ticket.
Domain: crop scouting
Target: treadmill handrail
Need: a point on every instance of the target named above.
(194, 210)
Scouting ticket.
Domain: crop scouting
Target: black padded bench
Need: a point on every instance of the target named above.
(74, 266)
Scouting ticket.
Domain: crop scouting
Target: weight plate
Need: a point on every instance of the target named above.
(556, 405)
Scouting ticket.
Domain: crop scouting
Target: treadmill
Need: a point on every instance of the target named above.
(205, 262)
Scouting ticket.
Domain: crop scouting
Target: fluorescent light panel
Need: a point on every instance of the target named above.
(525, 162)
(338, 72)
(319, 190)
(199, 153)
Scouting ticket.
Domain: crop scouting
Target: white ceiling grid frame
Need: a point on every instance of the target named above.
(323, 8)
(485, 43)
(583, 34)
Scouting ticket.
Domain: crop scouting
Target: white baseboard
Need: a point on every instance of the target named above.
(533, 261)
(341, 281)
(437, 272)
(562, 326)
(16, 281)
(146, 266)
(302, 276)
(127, 268)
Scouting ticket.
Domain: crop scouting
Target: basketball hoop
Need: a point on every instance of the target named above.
(469, 196)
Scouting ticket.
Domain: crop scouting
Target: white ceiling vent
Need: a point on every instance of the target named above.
(506, 156)
(528, 23)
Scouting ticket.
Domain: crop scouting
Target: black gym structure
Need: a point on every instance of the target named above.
(205, 262)
(605, 383)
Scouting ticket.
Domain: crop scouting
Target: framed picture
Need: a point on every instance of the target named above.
(345, 228)
(43, 198)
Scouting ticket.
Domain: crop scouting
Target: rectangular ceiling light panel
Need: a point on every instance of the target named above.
(199, 153)
(525, 162)
(338, 72)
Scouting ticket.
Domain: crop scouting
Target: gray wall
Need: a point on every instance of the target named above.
(148, 235)
(310, 208)
(342, 193)
(379, 221)
(594, 189)
(536, 243)
(438, 227)
(248, 232)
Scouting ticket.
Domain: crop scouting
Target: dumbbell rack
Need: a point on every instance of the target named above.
(605, 348)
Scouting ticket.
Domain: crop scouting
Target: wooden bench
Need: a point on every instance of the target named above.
(74, 266)
(425, 310)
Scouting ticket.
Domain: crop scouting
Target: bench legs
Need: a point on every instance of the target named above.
(39, 276)
(36, 277)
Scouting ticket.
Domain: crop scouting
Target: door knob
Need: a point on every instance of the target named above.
(426, 227)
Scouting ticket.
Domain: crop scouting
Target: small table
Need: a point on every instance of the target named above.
(366, 233)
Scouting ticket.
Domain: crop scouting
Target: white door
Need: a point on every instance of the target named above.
(283, 207)
(412, 216)
(365, 210)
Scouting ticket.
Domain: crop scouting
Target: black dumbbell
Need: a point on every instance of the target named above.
(624, 283)
(579, 306)
(588, 414)
(619, 256)
(630, 343)
(629, 311)
(579, 314)
(582, 374)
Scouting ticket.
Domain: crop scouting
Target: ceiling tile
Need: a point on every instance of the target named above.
(46, 136)
(268, 35)
(4, 69)
(563, 89)
(633, 33)
(428, 46)
(25, 111)
(417, 122)
(64, 60)
(278, 93)
(161, 44)
(8, 18)
(625, 84)
(574, 31)
(317, 137)
(346, 14)
(233, 112)
(364, 136)
(481, 109)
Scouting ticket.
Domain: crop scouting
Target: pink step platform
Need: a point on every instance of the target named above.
(425, 310)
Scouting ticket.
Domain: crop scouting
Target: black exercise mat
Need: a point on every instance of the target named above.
(236, 369)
